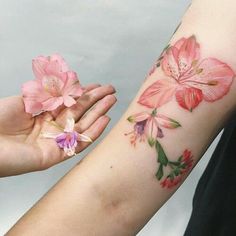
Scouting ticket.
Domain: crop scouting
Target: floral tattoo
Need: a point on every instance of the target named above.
(190, 80)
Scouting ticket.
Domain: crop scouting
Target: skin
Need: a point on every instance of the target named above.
(114, 191)
(24, 150)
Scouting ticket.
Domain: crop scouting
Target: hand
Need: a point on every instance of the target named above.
(23, 149)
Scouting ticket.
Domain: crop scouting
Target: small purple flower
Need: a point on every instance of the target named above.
(68, 139)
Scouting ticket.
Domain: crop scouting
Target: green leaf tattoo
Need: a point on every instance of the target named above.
(161, 156)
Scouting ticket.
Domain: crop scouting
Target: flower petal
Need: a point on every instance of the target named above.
(84, 138)
(159, 132)
(214, 78)
(70, 151)
(167, 122)
(72, 85)
(70, 123)
(33, 89)
(188, 98)
(169, 63)
(139, 117)
(52, 103)
(69, 101)
(179, 43)
(158, 93)
(74, 138)
(189, 53)
(180, 58)
(152, 130)
(169, 182)
(33, 95)
(32, 107)
(54, 69)
(39, 65)
(76, 90)
(61, 62)
(49, 135)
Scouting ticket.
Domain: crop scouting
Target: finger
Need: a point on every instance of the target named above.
(91, 87)
(85, 102)
(100, 109)
(94, 131)
(87, 88)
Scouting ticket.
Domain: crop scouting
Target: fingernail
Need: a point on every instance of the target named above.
(110, 97)
(107, 117)
(113, 88)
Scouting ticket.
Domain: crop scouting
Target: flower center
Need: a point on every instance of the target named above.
(140, 126)
(68, 137)
(51, 84)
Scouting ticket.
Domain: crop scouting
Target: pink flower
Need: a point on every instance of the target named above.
(68, 139)
(54, 85)
(178, 169)
(148, 125)
(189, 79)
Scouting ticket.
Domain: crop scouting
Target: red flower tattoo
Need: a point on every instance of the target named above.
(178, 169)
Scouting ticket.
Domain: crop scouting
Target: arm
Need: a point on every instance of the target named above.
(119, 186)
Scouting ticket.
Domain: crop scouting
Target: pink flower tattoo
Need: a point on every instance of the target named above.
(188, 78)
(55, 84)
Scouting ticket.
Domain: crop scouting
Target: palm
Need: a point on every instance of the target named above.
(12, 112)
(23, 147)
(21, 128)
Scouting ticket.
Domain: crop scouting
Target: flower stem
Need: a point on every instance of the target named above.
(154, 112)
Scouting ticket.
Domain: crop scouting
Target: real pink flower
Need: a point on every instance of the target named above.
(189, 78)
(54, 85)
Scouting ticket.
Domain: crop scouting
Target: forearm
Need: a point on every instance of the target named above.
(118, 187)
